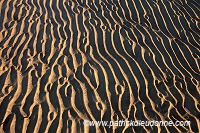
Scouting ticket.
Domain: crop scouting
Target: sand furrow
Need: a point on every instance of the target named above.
(63, 62)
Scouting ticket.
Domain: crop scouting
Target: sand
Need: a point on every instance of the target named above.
(66, 61)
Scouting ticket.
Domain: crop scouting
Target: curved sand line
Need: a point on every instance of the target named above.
(62, 62)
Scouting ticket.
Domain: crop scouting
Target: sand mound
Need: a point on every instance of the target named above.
(66, 61)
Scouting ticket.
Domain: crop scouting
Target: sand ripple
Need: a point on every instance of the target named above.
(65, 61)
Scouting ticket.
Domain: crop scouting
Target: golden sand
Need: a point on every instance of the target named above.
(66, 61)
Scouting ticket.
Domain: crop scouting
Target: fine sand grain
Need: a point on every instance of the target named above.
(66, 61)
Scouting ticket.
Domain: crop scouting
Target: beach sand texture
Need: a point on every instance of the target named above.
(65, 61)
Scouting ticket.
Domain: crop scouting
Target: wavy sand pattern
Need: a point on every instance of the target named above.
(65, 61)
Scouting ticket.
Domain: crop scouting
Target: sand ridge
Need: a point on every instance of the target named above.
(65, 61)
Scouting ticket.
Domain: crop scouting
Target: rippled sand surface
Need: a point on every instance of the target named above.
(65, 61)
